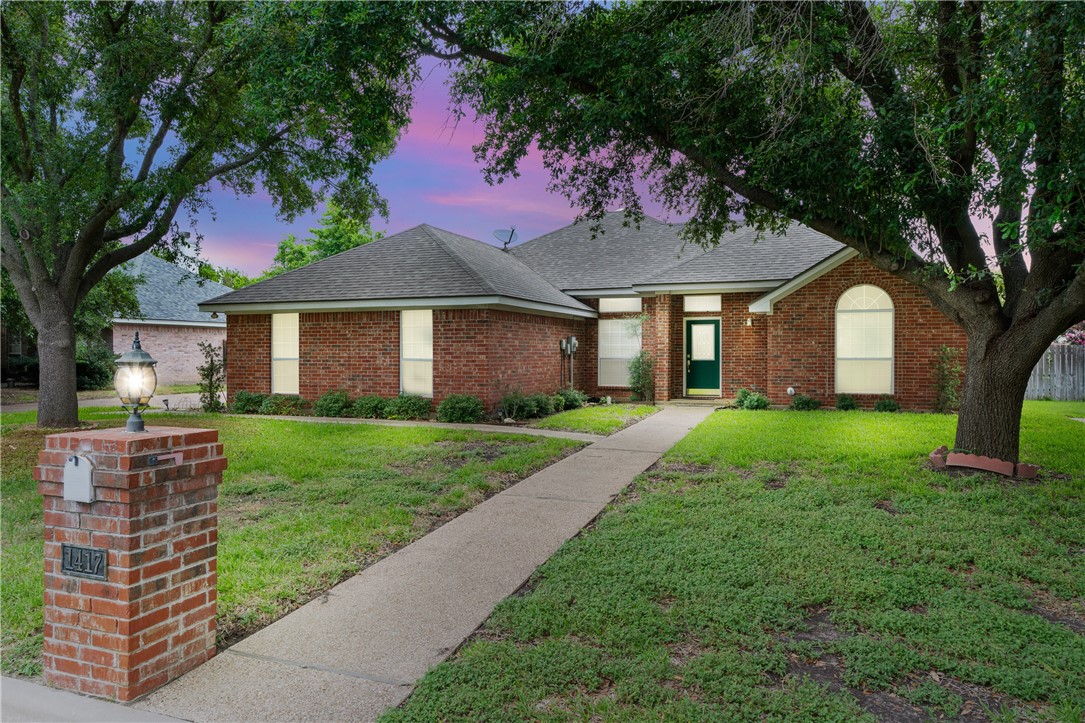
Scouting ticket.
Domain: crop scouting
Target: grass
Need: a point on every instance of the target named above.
(301, 507)
(599, 419)
(797, 566)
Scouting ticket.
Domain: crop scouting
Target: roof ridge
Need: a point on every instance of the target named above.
(456, 257)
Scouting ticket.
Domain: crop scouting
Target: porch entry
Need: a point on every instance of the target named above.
(703, 357)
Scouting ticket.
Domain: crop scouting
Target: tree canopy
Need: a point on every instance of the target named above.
(941, 140)
(119, 116)
(338, 232)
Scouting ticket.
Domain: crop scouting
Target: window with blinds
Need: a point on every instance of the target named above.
(864, 341)
(619, 341)
(285, 342)
(416, 352)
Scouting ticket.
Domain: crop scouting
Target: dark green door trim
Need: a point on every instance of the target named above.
(703, 372)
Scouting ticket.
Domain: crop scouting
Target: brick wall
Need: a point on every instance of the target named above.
(354, 351)
(801, 341)
(248, 353)
(177, 348)
(484, 352)
(153, 617)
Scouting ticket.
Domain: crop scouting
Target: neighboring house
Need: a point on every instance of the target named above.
(430, 312)
(173, 326)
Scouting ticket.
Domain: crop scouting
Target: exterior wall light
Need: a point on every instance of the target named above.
(135, 382)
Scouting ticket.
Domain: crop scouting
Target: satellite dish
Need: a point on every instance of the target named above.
(507, 237)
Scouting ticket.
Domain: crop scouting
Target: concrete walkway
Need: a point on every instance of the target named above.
(360, 648)
(21, 700)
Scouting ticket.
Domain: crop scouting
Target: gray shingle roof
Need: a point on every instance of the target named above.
(742, 256)
(569, 258)
(171, 293)
(422, 262)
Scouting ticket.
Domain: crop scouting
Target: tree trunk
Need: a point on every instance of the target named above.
(996, 376)
(58, 404)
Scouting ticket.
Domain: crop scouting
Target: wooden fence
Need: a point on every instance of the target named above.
(1059, 375)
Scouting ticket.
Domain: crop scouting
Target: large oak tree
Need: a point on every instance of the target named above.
(118, 116)
(944, 141)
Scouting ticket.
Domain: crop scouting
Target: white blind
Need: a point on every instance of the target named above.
(702, 303)
(864, 341)
(285, 336)
(416, 352)
(619, 341)
(629, 304)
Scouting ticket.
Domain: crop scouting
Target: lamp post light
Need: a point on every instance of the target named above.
(135, 381)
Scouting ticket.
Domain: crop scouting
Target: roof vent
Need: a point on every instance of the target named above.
(507, 237)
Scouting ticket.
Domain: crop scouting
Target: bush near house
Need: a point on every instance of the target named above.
(463, 408)
(572, 398)
(947, 386)
(642, 377)
(408, 406)
(279, 404)
(846, 402)
(247, 402)
(887, 404)
(804, 403)
(746, 399)
(94, 366)
(335, 403)
(212, 377)
(370, 407)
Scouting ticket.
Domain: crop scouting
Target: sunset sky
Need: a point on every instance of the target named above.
(431, 178)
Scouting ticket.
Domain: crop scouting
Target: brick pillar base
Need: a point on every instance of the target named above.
(155, 514)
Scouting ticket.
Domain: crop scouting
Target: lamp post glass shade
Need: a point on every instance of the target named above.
(135, 382)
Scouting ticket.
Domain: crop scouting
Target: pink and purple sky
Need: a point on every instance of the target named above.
(432, 177)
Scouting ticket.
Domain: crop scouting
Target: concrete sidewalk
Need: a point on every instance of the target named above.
(360, 648)
(21, 700)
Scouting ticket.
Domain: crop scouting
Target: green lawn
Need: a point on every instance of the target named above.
(600, 419)
(802, 566)
(302, 506)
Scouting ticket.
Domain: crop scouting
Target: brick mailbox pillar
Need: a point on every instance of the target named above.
(130, 575)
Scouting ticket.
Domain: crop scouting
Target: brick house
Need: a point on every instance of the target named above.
(430, 312)
(172, 326)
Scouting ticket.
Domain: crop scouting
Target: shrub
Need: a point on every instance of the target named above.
(281, 404)
(558, 402)
(947, 384)
(886, 404)
(803, 403)
(407, 406)
(517, 405)
(573, 399)
(740, 398)
(370, 407)
(334, 403)
(642, 377)
(94, 366)
(755, 400)
(212, 378)
(247, 402)
(846, 402)
(24, 369)
(465, 408)
(543, 404)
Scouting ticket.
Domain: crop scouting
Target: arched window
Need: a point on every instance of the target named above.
(864, 341)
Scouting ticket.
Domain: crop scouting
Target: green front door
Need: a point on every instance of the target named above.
(703, 357)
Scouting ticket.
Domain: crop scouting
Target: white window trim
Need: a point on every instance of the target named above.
(686, 298)
(638, 308)
(892, 312)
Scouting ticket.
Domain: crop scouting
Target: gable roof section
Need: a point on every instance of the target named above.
(570, 259)
(170, 293)
(744, 258)
(765, 303)
(428, 266)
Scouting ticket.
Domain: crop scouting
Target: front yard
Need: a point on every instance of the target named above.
(799, 566)
(302, 506)
(597, 419)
